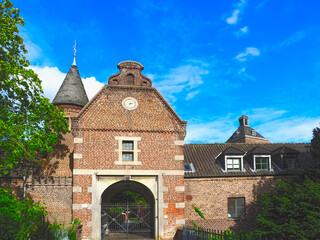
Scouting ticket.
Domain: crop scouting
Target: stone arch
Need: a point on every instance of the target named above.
(127, 210)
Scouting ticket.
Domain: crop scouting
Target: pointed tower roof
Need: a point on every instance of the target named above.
(71, 91)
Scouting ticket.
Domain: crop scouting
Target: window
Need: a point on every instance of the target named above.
(128, 150)
(234, 164)
(189, 167)
(262, 163)
(289, 162)
(130, 79)
(236, 207)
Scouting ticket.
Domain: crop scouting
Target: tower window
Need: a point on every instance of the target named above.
(130, 79)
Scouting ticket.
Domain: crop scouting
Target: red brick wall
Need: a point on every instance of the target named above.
(211, 195)
(153, 121)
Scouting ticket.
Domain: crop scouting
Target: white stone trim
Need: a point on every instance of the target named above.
(76, 189)
(77, 155)
(81, 206)
(89, 224)
(179, 157)
(179, 188)
(164, 189)
(165, 205)
(126, 172)
(178, 143)
(180, 205)
(78, 140)
(180, 221)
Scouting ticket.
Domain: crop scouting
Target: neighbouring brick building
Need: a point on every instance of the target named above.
(126, 144)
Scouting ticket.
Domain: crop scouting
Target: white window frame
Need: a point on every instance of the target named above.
(233, 156)
(257, 156)
(135, 150)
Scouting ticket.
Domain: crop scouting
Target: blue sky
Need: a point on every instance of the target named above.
(212, 60)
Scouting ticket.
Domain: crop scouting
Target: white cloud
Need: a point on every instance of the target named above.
(34, 51)
(250, 51)
(273, 124)
(234, 18)
(192, 94)
(235, 14)
(52, 79)
(92, 86)
(244, 29)
(242, 70)
(181, 79)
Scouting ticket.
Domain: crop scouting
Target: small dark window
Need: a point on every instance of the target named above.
(130, 79)
(187, 167)
(236, 207)
(289, 162)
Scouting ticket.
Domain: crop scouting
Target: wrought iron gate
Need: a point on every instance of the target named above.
(126, 220)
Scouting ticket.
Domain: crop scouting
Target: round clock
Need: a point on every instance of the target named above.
(130, 103)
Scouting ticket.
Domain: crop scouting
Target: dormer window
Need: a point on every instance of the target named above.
(130, 79)
(285, 158)
(289, 162)
(254, 133)
(234, 163)
(262, 162)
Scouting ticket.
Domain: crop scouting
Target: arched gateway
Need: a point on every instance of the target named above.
(127, 211)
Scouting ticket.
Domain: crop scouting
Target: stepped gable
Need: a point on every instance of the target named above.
(71, 91)
(204, 157)
(130, 75)
(245, 133)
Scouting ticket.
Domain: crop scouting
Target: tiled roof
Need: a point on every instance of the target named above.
(203, 157)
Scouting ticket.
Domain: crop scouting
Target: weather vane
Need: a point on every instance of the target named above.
(74, 52)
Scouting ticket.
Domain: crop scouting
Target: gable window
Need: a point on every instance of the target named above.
(236, 207)
(234, 164)
(130, 79)
(262, 162)
(128, 151)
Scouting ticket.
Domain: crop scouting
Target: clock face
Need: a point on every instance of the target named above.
(130, 103)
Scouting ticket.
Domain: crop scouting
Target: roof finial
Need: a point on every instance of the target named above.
(74, 53)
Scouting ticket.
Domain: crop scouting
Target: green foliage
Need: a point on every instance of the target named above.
(136, 198)
(315, 143)
(197, 210)
(29, 123)
(292, 211)
(22, 220)
(27, 220)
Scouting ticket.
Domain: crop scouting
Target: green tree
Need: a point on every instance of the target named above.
(29, 124)
(315, 143)
(292, 211)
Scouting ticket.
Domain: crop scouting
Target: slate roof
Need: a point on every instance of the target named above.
(71, 91)
(243, 131)
(203, 157)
